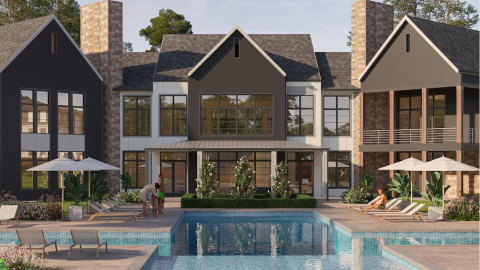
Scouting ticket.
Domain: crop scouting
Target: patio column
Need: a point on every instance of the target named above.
(392, 116)
(361, 97)
(424, 174)
(460, 108)
(318, 179)
(273, 160)
(199, 165)
(391, 155)
(148, 166)
(424, 114)
(325, 174)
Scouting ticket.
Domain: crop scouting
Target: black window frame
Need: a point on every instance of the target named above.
(336, 160)
(300, 109)
(398, 110)
(173, 115)
(34, 173)
(431, 110)
(136, 162)
(54, 43)
(408, 43)
(136, 115)
(71, 107)
(336, 120)
(300, 161)
(236, 48)
(35, 110)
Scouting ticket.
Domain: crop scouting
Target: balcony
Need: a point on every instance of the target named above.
(412, 136)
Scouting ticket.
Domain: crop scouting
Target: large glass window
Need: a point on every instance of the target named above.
(174, 168)
(339, 170)
(436, 111)
(34, 180)
(236, 114)
(134, 162)
(35, 111)
(77, 156)
(136, 116)
(300, 115)
(70, 113)
(300, 168)
(173, 115)
(409, 112)
(225, 163)
(336, 119)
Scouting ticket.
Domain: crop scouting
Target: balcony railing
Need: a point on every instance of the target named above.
(471, 135)
(441, 135)
(407, 136)
(376, 137)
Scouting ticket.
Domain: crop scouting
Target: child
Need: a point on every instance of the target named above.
(154, 201)
(161, 194)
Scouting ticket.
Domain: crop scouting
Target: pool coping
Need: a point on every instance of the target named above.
(411, 258)
(143, 259)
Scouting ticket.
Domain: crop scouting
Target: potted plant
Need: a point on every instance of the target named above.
(435, 195)
(367, 182)
(75, 191)
(401, 185)
(98, 188)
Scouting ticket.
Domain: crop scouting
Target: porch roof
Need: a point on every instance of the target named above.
(238, 145)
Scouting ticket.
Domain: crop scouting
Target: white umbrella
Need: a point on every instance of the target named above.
(443, 165)
(60, 165)
(404, 165)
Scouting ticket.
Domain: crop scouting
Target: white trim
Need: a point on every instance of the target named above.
(249, 39)
(389, 39)
(36, 34)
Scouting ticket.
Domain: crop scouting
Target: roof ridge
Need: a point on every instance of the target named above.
(441, 23)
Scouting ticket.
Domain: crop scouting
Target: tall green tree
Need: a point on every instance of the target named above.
(167, 22)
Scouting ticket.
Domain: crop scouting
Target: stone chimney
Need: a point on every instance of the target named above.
(372, 23)
(101, 36)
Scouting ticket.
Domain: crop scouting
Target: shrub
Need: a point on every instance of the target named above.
(434, 189)
(21, 258)
(281, 182)
(75, 190)
(401, 185)
(356, 196)
(126, 180)
(7, 198)
(49, 198)
(190, 200)
(106, 196)
(54, 210)
(463, 208)
(98, 187)
(131, 197)
(242, 183)
(207, 185)
(367, 182)
(344, 193)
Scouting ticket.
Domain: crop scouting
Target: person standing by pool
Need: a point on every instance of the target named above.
(161, 193)
(142, 195)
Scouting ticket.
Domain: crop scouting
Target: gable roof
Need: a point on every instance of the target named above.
(335, 70)
(458, 46)
(15, 37)
(138, 69)
(236, 28)
(293, 53)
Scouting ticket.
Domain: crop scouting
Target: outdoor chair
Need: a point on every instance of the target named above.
(349, 207)
(120, 201)
(111, 211)
(102, 213)
(413, 213)
(389, 207)
(8, 212)
(35, 238)
(116, 208)
(404, 211)
(86, 238)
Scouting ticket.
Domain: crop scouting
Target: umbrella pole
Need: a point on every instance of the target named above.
(88, 206)
(63, 206)
(443, 191)
(411, 188)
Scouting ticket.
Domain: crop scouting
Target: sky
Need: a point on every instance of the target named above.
(327, 21)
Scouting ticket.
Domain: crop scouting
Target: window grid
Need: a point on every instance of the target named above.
(339, 167)
(134, 163)
(34, 180)
(178, 114)
(35, 111)
(138, 116)
(340, 128)
(298, 126)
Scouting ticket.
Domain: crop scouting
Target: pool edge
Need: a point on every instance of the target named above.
(409, 258)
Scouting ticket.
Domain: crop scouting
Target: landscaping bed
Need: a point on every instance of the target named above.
(190, 200)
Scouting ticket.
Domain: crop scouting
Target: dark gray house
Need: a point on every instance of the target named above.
(50, 105)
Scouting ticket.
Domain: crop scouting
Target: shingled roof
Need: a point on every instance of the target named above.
(292, 53)
(335, 70)
(14, 36)
(460, 45)
(138, 70)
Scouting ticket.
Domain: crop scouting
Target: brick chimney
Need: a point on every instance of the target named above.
(101, 36)
(372, 23)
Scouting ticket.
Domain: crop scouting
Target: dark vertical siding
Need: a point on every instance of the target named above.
(471, 106)
(192, 171)
(37, 68)
(251, 73)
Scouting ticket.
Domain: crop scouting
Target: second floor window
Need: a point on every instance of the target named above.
(136, 116)
(300, 115)
(70, 113)
(336, 116)
(173, 115)
(35, 111)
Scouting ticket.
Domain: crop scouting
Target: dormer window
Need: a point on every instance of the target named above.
(237, 47)
(54, 42)
(407, 43)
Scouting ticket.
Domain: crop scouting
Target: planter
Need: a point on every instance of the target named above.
(75, 211)
(435, 213)
(403, 205)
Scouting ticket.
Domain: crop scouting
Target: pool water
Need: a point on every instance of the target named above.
(285, 241)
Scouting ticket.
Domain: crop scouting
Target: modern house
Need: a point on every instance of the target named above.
(50, 100)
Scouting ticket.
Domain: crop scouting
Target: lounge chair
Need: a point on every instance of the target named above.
(120, 201)
(349, 207)
(101, 213)
(413, 213)
(116, 208)
(34, 238)
(8, 212)
(86, 238)
(404, 211)
(389, 207)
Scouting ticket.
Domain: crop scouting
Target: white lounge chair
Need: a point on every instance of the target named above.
(404, 211)
(349, 207)
(34, 238)
(389, 207)
(86, 238)
(115, 208)
(120, 201)
(413, 213)
(8, 212)
(101, 213)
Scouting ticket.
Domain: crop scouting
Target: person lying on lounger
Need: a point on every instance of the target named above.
(378, 203)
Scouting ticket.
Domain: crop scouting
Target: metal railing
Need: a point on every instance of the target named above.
(407, 136)
(471, 135)
(376, 137)
(441, 135)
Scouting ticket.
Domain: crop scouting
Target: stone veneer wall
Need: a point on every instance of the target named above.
(101, 35)
(357, 170)
(371, 163)
(471, 180)
(377, 111)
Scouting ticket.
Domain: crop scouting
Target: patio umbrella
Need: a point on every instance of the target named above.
(444, 165)
(404, 165)
(60, 165)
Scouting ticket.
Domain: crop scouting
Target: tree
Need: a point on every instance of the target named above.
(401, 8)
(281, 182)
(127, 46)
(167, 22)
(242, 183)
(207, 185)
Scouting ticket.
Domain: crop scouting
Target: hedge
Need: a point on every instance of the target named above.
(190, 200)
